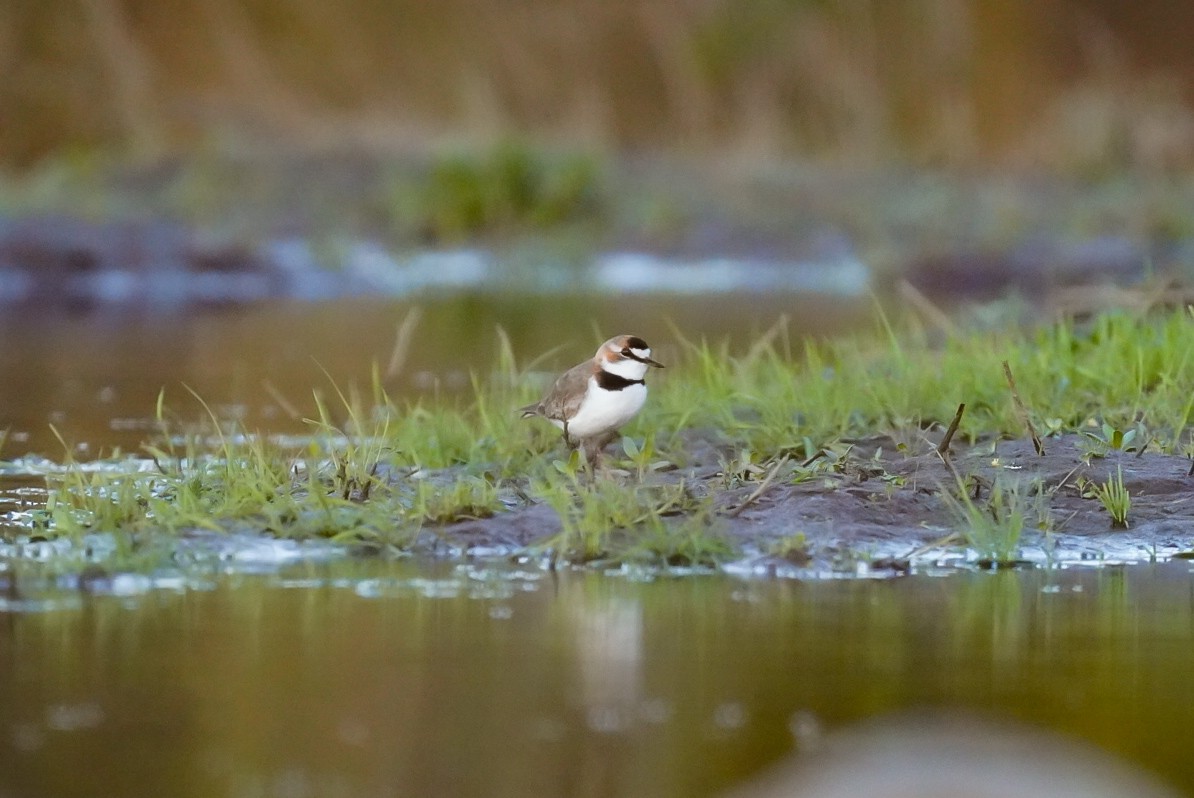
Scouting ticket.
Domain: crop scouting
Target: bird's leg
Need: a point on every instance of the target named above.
(594, 450)
(575, 444)
(586, 461)
(595, 447)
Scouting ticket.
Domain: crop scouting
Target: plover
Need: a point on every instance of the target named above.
(591, 400)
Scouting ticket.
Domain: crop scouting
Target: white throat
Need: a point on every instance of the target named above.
(630, 369)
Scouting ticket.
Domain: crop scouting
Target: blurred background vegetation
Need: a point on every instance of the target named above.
(1079, 86)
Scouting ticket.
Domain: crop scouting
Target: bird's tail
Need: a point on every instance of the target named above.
(529, 410)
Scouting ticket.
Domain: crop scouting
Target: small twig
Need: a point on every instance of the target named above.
(935, 315)
(368, 486)
(761, 345)
(1022, 411)
(949, 464)
(1065, 479)
(282, 402)
(820, 453)
(1063, 523)
(977, 494)
(159, 466)
(402, 338)
(943, 447)
(1190, 473)
(763, 486)
(952, 537)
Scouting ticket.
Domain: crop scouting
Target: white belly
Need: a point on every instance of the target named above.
(604, 411)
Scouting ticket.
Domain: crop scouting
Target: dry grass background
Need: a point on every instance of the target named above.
(1072, 84)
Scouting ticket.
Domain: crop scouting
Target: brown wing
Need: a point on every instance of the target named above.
(564, 398)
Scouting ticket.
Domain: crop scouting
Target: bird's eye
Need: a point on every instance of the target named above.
(627, 353)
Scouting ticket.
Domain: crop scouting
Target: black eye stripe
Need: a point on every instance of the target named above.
(632, 356)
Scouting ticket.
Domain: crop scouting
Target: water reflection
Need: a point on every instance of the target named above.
(368, 678)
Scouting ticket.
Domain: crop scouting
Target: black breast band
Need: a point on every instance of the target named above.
(614, 382)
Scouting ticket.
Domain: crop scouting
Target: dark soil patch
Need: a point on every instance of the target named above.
(880, 507)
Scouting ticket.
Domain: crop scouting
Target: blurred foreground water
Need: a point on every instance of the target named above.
(346, 677)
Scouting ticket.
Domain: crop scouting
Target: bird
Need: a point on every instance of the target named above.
(591, 400)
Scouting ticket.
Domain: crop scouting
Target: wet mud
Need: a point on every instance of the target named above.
(880, 507)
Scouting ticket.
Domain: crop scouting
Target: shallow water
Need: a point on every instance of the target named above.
(96, 376)
(371, 678)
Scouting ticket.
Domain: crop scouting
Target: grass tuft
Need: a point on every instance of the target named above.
(1115, 498)
(993, 527)
(606, 519)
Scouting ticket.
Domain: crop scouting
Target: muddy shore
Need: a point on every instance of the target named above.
(880, 510)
